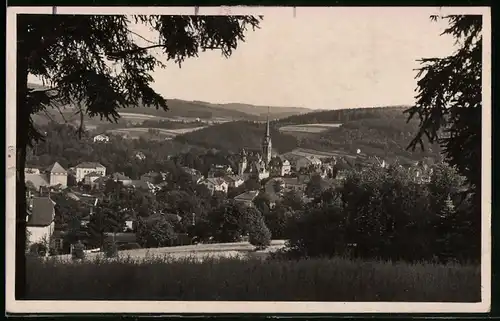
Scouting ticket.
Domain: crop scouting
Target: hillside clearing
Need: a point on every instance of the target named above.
(308, 128)
(302, 152)
(138, 131)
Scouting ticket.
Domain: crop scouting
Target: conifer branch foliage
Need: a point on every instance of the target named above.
(94, 63)
(449, 98)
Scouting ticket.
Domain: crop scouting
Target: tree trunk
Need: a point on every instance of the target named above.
(23, 119)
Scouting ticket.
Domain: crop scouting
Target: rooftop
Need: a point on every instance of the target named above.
(89, 165)
(120, 177)
(56, 168)
(247, 196)
(216, 180)
(42, 211)
(38, 180)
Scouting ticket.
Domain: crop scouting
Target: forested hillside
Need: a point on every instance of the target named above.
(176, 108)
(344, 115)
(236, 135)
(63, 145)
(381, 131)
(384, 137)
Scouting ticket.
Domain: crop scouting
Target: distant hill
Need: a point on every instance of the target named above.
(182, 109)
(343, 115)
(260, 111)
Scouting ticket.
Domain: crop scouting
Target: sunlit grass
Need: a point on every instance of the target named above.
(166, 278)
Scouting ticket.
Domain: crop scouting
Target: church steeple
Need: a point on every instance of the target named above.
(266, 142)
(268, 132)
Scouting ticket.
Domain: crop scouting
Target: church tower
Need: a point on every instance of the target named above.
(242, 165)
(266, 143)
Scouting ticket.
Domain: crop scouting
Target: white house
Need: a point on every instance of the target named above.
(31, 170)
(140, 156)
(101, 138)
(85, 168)
(215, 184)
(234, 180)
(286, 168)
(40, 220)
(52, 176)
(57, 175)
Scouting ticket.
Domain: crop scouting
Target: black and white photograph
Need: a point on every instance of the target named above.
(248, 159)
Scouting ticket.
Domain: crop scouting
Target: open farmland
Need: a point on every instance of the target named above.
(308, 128)
(302, 152)
(136, 132)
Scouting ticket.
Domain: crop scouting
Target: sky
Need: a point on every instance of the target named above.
(321, 58)
(325, 58)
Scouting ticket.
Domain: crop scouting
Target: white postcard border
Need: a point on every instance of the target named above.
(176, 307)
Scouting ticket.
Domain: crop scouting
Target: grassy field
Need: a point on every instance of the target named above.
(251, 279)
(302, 152)
(135, 132)
(199, 251)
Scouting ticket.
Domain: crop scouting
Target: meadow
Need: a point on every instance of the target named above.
(136, 132)
(250, 279)
(308, 128)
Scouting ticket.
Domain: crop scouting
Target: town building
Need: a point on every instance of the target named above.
(54, 175)
(57, 175)
(31, 170)
(85, 168)
(279, 166)
(153, 177)
(140, 156)
(90, 178)
(247, 198)
(195, 174)
(121, 178)
(234, 180)
(217, 170)
(215, 184)
(40, 219)
(257, 163)
(101, 138)
(306, 162)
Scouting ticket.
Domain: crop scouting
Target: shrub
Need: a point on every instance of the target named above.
(155, 231)
(78, 252)
(387, 214)
(260, 236)
(38, 249)
(110, 249)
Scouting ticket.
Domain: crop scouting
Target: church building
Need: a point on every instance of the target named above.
(257, 162)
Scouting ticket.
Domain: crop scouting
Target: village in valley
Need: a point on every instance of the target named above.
(273, 175)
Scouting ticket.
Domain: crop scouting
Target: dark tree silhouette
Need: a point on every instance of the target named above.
(71, 55)
(449, 100)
